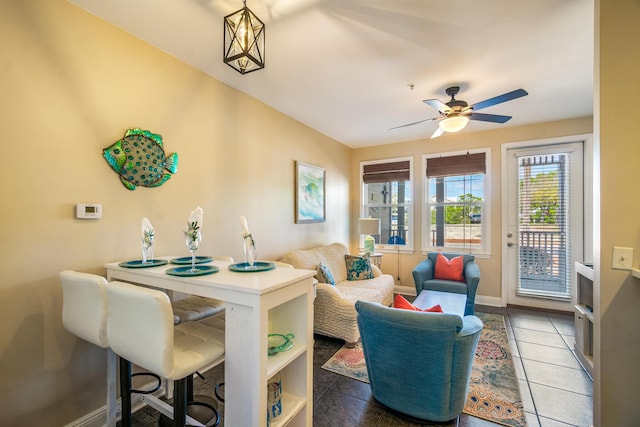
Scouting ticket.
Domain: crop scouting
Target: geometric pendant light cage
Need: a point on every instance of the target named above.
(244, 41)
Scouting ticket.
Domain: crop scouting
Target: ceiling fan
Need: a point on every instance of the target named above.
(455, 114)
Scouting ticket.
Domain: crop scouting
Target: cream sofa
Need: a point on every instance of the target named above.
(334, 307)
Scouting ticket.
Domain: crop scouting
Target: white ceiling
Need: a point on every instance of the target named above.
(344, 67)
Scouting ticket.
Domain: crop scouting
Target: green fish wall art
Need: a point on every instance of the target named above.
(139, 159)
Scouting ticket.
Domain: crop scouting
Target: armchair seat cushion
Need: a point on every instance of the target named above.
(445, 286)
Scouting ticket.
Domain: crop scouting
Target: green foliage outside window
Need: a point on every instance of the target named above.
(543, 198)
(460, 214)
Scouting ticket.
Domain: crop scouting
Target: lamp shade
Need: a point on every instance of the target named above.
(369, 226)
(454, 123)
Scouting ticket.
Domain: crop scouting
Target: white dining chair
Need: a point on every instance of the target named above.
(141, 331)
(84, 314)
(192, 308)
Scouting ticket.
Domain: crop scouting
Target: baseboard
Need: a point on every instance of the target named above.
(405, 290)
(98, 418)
(489, 301)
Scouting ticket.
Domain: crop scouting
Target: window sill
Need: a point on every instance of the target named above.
(395, 250)
(478, 254)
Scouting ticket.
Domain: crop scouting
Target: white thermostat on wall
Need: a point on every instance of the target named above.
(88, 210)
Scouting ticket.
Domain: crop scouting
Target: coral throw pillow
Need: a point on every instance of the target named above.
(401, 302)
(449, 269)
(435, 309)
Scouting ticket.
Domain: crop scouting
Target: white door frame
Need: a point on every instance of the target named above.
(579, 254)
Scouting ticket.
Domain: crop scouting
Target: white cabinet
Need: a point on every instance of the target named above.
(276, 301)
(583, 316)
(294, 366)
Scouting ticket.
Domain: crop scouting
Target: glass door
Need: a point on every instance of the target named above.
(544, 232)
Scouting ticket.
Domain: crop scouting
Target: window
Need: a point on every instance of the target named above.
(456, 215)
(387, 194)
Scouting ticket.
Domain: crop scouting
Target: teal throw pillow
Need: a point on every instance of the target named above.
(324, 275)
(358, 267)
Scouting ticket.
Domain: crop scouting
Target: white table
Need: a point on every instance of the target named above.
(449, 302)
(275, 301)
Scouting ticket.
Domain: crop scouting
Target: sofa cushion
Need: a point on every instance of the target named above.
(365, 293)
(330, 255)
(358, 267)
(324, 275)
(449, 269)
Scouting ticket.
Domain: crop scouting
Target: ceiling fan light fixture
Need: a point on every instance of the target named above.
(454, 123)
(244, 43)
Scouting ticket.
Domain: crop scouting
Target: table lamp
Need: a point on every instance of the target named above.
(369, 226)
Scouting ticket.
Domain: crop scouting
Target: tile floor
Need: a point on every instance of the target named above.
(555, 390)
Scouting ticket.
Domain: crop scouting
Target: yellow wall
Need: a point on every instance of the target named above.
(490, 284)
(71, 85)
(617, 308)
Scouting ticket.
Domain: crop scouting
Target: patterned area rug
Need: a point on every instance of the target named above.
(493, 390)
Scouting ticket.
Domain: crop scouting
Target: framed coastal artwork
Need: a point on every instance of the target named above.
(310, 193)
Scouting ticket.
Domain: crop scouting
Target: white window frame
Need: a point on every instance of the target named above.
(381, 246)
(485, 249)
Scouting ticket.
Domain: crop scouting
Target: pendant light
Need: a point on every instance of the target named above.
(244, 41)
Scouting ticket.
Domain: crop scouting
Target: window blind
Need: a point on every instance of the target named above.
(386, 172)
(543, 225)
(465, 164)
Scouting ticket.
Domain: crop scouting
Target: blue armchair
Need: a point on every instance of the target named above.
(419, 363)
(423, 278)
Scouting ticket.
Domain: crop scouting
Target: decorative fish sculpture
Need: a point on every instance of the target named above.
(140, 160)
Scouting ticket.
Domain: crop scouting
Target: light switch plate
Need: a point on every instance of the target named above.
(622, 258)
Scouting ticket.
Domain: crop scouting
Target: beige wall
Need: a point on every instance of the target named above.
(490, 283)
(71, 85)
(617, 310)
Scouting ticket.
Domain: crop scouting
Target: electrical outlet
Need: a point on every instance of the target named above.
(622, 258)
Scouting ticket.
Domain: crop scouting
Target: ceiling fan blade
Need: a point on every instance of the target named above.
(495, 118)
(500, 99)
(437, 133)
(438, 105)
(414, 123)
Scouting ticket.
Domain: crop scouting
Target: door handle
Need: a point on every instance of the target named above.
(510, 244)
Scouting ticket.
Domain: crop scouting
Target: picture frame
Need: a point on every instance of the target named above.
(310, 200)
